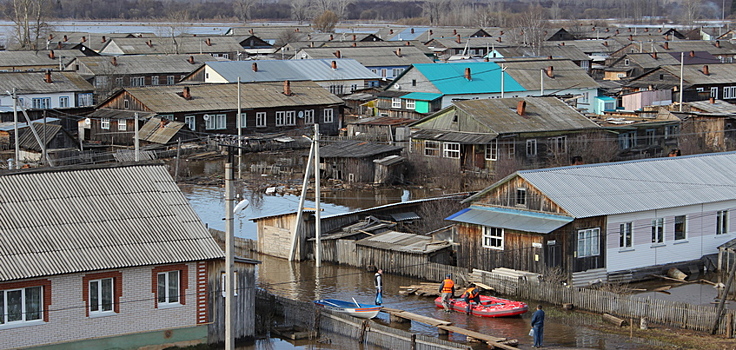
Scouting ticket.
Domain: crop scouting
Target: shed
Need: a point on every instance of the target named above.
(397, 251)
(353, 161)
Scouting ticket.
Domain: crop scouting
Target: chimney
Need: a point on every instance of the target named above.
(592, 29)
(646, 30)
(104, 39)
(390, 31)
(667, 37)
(500, 33)
(408, 43)
(114, 61)
(355, 44)
(254, 66)
(606, 30)
(605, 43)
(191, 60)
(287, 88)
(334, 64)
(545, 32)
(712, 100)
(499, 39)
(47, 77)
(59, 45)
(718, 44)
(629, 29)
(549, 57)
(331, 37)
(454, 32)
(296, 30)
(65, 38)
(338, 54)
(457, 39)
(659, 30)
(51, 37)
(617, 32)
(550, 72)
(666, 45)
(631, 38)
(250, 31)
(84, 39)
(692, 54)
(654, 55)
(208, 42)
(149, 43)
(467, 74)
(398, 52)
(355, 37)
(705, 70)
(186, 94)
(412, 30)
(51, 54)
(161, 124)
(431, 32)
(521, 108)
(562, 44)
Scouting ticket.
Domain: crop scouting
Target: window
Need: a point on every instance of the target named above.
(243, 120)
(190, 121)
(215, 121)
(650, 136)
(353, 87)
(413, 82)
(521, 196)
(558, 145)
(290, 118)
(395, 72)
(154, 80)
(63, 101)
(260, 119)
(41, 103)
(170, 80)
(122, 125)
(680, 227)
(336, 89)
(395, 102)
(137, 81)
(588, 242)
(451, 150)
(166, 116)
(722, 222)
(411, 104)
(671, 131)
(280, 118)
(101, 81)
(626, 62)
(431, 148)
(224, 284)
(492, 237)
(328, 115)
(105, 123)
(383, 72)
(492, 150)
(309, 116)
(511, 143)
(84, 100)
(126, 104)
(531, 148)
(626, 140)
(168, 287)
(658, 230)
(22, 305)
(625, 235)
(714, 92)
(729, 92)
(101, 294)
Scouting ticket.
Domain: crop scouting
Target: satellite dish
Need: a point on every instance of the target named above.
(300, 115)
(398, 87)
(87, 121)
(206, 117)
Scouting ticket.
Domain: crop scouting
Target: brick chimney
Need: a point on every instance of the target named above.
(718, 44)
(646, 30)
(629, 29)
(431, 32)
(408, 43)
(191, 60)
(617, 32)
(562, 43)
(59, 45)
(186, 93)
(659, 30)
(254, 66)
(457, 39)
(104, 39)
(667, 37)
(338, 54)
(666, 45)
(692, 54)
(712, 100)
(51, 54)
(334, 64)
(51, 37)
(355, 44)
(355, 37)
(84, 39)
(467, 74)
(550, 72)
(390, 31)
(250, 31)
(398, 52)
(65, 38)
(499, 39)
(331, 37)
(521, 108)
(287, 88)
(114, 61)
(454, 32)
(705, 70)
(208, 42)
(149, 43)
(549, 57)
(605, 43)
(631, 38)
(606, 30)
(47, 77)
(654, 55)
(412, 30)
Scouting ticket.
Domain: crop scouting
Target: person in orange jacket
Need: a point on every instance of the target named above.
(471, 294)
(447, 289)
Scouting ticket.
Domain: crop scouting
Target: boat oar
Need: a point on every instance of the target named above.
(356, 303)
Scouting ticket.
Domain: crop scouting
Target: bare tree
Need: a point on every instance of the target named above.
(29, 18)
(532, 24)
(326, 22)
(691, 11)
(300, 10)
(340, 7)
(244, 9)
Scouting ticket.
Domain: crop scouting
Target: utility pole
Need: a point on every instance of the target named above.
(295, 237)
(541, 82)
(229, 259)
(503, 69)
(682, 58)
(240, 135)
(317, 228)
(137, 140)
(15, 129)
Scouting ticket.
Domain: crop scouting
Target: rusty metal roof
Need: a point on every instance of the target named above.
(356, 149)
(69, 221)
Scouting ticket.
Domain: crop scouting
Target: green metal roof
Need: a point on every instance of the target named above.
(421, 96)
(485, 77)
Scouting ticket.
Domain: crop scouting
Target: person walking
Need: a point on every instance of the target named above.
(538, 326)
(378, 280)
(447, 289)
(471, 295)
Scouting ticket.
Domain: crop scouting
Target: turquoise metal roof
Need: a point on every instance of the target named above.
(605, 98)
(421, 96)
(485, 78)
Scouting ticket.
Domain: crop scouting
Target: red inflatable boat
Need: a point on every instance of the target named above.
(488, 307)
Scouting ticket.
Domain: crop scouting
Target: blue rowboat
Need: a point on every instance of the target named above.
(351, 308)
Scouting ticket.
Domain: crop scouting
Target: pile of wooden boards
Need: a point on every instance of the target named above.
(429, 289)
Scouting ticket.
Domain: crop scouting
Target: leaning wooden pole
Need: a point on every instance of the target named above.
(300, 210)
(722, 302)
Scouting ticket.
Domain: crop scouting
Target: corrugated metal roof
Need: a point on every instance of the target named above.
(393, 121)
(648, 184)
(143, 64)
(27, 140)
(421, 96)
(166, 45)
(369, 56)
(569, 52)
(592, 46)
(512, 219)
(295, 70)
(119, 114)
(567, 75)
(724, 73)
(719, 107)
(356, 149)
(69, 221)
(449, 78)
(403, 242)
(20, 59)
(217, 97)
(467, 138)
(33, 82)
(405, 216)
(152, 131)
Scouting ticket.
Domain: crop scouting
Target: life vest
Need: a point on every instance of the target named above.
(472, 292)
(447, 285)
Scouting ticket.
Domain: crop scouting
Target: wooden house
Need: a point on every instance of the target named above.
(699, 82)
(46, 90)
(592, 222)
(354, 160)
(266, 107)
(381, 129)
(86, 267)
(384, 61)
(225, 47)
(634, 64)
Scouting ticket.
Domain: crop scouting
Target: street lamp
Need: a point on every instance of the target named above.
(229, 257)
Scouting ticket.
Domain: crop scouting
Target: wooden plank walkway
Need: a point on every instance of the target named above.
(443, 327)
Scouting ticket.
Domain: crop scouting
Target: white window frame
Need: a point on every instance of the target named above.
(216, 122)
(309, 116)
(531, 147)
(714, 92)
(626, 235)
(24, 313)
(122, 125)
(137, 81)
(41, 102)
(493, 237)
(328, 115)
(432, 148)
(290, 117)
(588, 242)
(395, 102)
(558, 144)
(451, 150)
(658, 231)
(492, 150)
(682, 227)
(280, 118)
(154, 80)
(411, 104)
(105, 123)
(722, 221)
(166, 283)
(521, 197)
(99, 308)
(64, 102)
(170, 80)
(243, 120)
(85, 99)
(729, 92)
(261, 119)
(651, 136)
(511, 147)
(190, 121)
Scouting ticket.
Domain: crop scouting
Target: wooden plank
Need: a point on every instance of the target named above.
(490, 340)
(414, 317)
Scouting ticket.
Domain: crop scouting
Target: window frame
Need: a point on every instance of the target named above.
(167, 281)
(493, 238)
(680, 228)
(309, 116)
(100, 311)
(658, 231)
(492, 150)
(432, 148)
(122, 125)
(411, 104)
(531, 148)
(137, 81)
(395, 102)
(521, 198)
(63, 101)
(328, 115)
(243, 120)
(588, 243)
(722, 221)
(190, 121)
(280, 118)
(290, 118)
(261, 120)
(42, 297)
(451, 150)
(626, 235)
(105, 123)
(182, 271)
